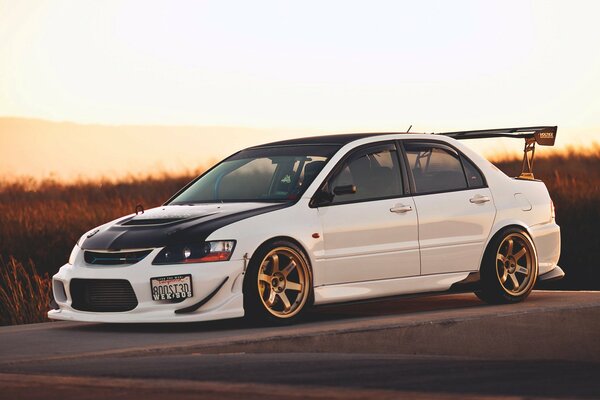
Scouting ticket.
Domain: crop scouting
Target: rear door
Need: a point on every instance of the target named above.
(454, 206)
(370, 225)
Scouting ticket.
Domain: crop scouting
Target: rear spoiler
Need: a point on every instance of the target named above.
(542, 135)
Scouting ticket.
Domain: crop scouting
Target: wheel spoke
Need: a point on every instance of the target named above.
(514, 281)
(290, 267)
(264, 278)
(504, 276)
(272, 297)
(285, 300)
(522, 270)
(511, 243)
(293, 286)
(275, 260)
(520, 253)
(500, 257)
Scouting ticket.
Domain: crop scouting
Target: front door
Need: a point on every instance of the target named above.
(370, 227)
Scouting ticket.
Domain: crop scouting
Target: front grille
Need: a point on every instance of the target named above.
(102, 295)
(115, 258)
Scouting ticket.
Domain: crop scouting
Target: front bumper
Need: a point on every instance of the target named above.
(226, 301)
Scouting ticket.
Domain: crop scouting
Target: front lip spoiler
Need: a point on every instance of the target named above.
(202, 302)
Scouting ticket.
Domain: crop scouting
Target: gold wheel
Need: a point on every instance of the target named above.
(283, 282)
(515, 264)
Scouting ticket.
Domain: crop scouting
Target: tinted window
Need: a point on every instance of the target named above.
(434, 169)
(374, 172)
(474, 178)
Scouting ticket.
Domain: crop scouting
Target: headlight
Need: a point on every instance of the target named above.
(73, 254)
(196, 253)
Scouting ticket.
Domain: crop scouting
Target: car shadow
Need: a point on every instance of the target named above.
(396, 306)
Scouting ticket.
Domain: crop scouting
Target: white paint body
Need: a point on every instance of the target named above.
(362, 250)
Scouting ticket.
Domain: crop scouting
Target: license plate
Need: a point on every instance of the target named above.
(171, 287)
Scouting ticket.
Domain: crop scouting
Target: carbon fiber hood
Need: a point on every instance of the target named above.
(168, 225)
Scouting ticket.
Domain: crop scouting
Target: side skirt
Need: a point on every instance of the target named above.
(415, 285)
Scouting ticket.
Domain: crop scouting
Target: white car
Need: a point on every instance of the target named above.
(278, 228)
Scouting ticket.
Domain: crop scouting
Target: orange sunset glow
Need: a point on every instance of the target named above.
(122, 88)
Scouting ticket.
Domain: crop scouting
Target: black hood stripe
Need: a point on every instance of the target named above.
(194, 230)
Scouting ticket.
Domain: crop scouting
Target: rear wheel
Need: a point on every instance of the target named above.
(509, 269)
(278, 283)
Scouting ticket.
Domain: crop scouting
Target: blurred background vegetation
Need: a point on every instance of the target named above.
(41, 221)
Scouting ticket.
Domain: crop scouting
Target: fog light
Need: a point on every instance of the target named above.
(58, 289)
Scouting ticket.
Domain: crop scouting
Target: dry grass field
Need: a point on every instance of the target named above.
(40, 222)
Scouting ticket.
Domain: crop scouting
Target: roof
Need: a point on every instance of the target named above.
(543, 135)
(340, 139)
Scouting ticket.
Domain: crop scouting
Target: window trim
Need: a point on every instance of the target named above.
(444, 146)
(353, 152)
(464, 159)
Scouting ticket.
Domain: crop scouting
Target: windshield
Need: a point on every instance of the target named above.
(263, 175)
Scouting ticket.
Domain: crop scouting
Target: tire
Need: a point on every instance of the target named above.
(509, 268)
(278, 284)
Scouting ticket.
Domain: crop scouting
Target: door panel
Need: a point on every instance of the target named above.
(453, 229)
(455, 209)
(366, 241)
(370, 230)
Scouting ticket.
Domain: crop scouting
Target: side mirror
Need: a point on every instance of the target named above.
(346, 189)
(321, 198)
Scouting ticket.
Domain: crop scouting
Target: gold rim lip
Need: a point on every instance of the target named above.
(531, 264)
(304, 276)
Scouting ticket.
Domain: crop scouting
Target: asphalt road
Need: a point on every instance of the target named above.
(449, 346)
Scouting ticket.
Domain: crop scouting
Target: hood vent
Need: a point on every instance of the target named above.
(151, 221)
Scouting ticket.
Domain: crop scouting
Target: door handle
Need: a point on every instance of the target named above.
(400, 208)
(479, 199)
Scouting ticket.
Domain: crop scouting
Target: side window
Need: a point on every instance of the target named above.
(434, 169)
(369, 174)
(474, 178)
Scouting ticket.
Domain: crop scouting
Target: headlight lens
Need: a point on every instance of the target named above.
(220, 250)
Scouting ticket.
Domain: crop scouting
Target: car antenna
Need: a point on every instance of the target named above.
(408, 130)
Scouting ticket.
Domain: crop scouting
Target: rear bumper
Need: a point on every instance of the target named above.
(547, 244)
(553, 275)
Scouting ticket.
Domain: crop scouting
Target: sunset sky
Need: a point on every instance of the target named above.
(228, 74)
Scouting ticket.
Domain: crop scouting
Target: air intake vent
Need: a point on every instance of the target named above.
(115, 258)
(150, 221)
(102, 295)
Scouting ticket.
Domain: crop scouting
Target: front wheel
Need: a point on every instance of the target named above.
(278, 283)
(509, 269)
